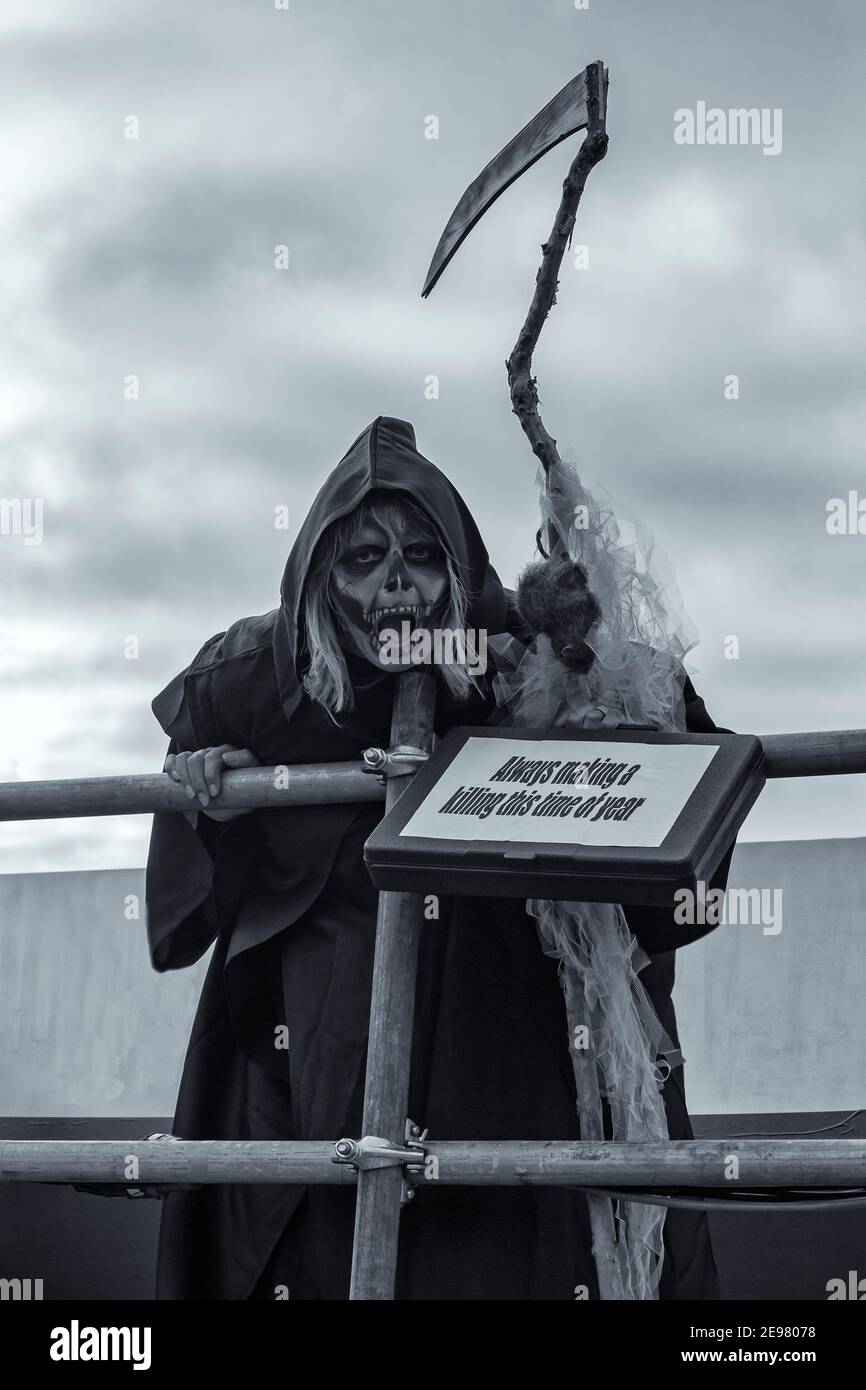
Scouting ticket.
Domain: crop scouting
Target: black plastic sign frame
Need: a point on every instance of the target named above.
(702, 832)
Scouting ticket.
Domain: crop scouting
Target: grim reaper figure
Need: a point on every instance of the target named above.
(285, 901)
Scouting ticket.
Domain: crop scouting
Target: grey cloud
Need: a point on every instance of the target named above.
(307, 128)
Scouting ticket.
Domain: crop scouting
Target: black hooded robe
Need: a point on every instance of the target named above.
(286, 899)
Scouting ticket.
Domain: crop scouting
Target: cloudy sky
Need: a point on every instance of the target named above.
(153, 258)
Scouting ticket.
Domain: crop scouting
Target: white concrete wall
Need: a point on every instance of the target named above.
(778, 1021)
(769, 1020)
(86, 1026)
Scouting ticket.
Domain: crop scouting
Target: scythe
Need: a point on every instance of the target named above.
(582, 104)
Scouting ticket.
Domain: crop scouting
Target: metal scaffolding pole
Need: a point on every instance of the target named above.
(700, 1163)
(392, 1008)
(587, 1164)
(820, 754)
(251, 788)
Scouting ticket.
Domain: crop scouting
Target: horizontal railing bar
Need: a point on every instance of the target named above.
(302, 784)
(681, 1163)
(500, 1163)
(816, 754)
(163, 1161)
(826, 752)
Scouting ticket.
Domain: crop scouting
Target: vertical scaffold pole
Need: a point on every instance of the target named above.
(386, 1092)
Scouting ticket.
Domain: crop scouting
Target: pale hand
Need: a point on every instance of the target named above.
(201, 772)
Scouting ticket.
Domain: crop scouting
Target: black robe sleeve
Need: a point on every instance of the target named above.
(655, 928)
(190, 890)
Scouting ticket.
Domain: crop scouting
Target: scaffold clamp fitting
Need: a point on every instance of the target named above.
(372, 1152)
(399, 761)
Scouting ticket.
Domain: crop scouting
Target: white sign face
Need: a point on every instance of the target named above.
(562, 792)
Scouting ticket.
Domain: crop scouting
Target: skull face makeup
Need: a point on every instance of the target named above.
(394, 571)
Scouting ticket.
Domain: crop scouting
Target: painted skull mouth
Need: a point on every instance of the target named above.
(382, 620)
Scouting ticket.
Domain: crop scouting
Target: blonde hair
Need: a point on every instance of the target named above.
(326, 679)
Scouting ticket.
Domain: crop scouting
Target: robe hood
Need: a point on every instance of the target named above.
(384, 458)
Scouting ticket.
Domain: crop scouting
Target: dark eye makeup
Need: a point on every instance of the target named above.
(419, 552)
(363, 555)
(424, 552)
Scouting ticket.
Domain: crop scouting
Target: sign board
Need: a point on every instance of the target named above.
(595, 815)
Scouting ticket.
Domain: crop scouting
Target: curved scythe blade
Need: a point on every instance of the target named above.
(561, 117)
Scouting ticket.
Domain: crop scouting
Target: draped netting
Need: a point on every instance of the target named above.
(638, 646)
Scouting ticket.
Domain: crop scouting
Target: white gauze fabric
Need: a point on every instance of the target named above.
(639, 643)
